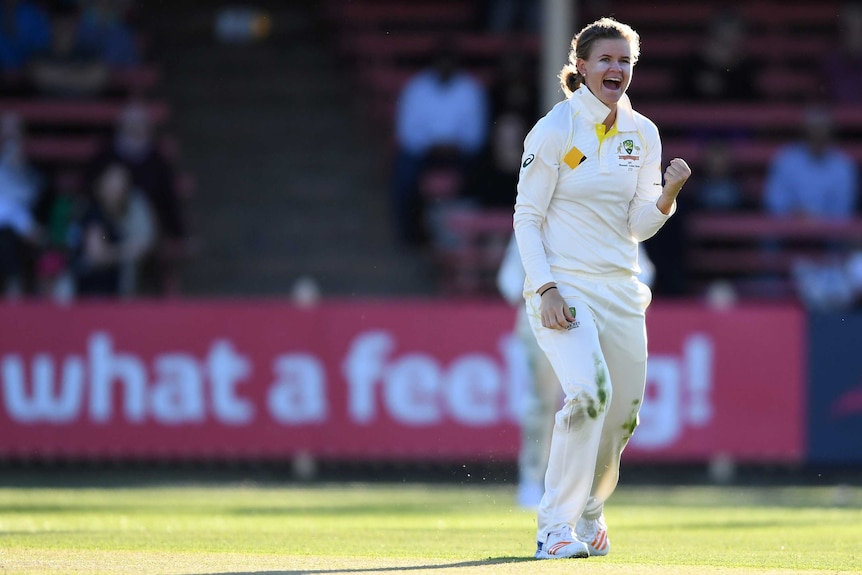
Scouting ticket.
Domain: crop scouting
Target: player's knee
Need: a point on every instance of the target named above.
(581, 409)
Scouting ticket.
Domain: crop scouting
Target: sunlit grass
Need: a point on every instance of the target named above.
(452, 529)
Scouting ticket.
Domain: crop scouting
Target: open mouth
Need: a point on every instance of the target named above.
(612, 83)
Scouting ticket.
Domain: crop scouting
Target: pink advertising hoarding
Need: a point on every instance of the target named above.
(411, 380)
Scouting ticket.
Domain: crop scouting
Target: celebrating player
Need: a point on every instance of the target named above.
(590, 189)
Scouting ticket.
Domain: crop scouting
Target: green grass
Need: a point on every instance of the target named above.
(419, 529)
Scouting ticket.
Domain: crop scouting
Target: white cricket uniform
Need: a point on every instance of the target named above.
(585, 200)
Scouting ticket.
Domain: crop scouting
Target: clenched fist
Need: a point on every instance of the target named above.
(676, 174)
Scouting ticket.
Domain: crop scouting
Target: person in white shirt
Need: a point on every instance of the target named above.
(441, 121)
(590, 189)
(812, 178)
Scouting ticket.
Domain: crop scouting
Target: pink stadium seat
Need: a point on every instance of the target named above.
(383, 45)
(773, 82)
(87, 112)
(470, 267)
(755, 227)
(679, 115)
(742, 261)
(741, 238)
(133, 79)
(56, 149)
(768, 47)
(696, 14)
(748, 155)
(383, 12)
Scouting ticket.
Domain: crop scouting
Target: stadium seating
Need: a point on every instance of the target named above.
(65, 134)
(60, 113)
(385, 42)
(742, 248)
(142, 79)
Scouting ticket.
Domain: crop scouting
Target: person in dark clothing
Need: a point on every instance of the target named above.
(135, 147)
(115, 233)
(153, 175)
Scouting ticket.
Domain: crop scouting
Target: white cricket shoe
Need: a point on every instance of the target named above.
(594, 533)
(562, 544)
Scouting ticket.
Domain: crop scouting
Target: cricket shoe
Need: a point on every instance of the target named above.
(562, 544)
(594, 534)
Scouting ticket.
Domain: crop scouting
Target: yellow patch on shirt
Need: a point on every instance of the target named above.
(574, 158)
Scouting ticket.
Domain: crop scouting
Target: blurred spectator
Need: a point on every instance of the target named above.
(441, 124)
(135, 146)
(102, 30)
(842, 66)
(68, 69)
(25, 30)
(20, 187)
(514, 110)
(115, 233)
(719, 70)
(58, 211)
(826, 284)
(813, 177)
(717, 188)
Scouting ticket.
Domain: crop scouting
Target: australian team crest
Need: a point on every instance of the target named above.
(629, 154)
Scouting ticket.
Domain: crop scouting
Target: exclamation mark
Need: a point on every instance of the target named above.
(698, 364)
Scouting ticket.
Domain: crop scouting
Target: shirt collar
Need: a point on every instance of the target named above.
(596, 111)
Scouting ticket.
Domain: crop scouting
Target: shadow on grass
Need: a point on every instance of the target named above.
(458, 565)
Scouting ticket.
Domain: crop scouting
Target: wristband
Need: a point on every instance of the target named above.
(547, 290)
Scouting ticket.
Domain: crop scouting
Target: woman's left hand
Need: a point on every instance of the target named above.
(676, 174)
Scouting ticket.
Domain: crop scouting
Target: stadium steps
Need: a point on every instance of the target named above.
(287, 186)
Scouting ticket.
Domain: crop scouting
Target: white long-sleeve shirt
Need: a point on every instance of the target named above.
(585, 201)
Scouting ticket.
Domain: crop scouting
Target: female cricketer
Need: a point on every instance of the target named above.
(590, 189)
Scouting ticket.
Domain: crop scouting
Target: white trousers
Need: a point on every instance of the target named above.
(541, 402)
(600, 361)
